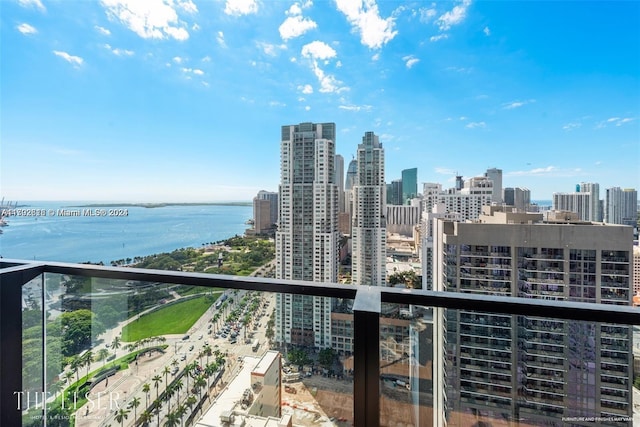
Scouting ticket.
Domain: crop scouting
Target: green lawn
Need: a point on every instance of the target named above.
(172, 319)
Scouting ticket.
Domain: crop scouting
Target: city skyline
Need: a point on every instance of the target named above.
(169, 100)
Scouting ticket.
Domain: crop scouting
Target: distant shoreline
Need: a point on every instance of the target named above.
(159, 205)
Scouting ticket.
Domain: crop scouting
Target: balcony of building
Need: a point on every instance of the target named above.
(377, 384)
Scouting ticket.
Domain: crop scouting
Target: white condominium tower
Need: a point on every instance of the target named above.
(307, 237)
(369, 225)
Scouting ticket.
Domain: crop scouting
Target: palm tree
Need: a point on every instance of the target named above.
(207, 350)
(188, 370)
(122, 415)
(145, 417)
(86, 360)
(168, 394)
(145, 388)
(191, 400)
(199, 384)
(166, 371)
(75, 365)
(134, 403)
(103, 353)
(172, 420)
(156, 380)
(181, 410)
(178, 386)
(115, 344)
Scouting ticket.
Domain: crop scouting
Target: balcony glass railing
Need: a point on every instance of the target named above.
(123, 346)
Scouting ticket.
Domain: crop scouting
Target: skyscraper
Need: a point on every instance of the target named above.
(307, 238)
(525, 367)
(518, 197)
(395, 197)
(595, 211)
(409, 185)
(495, 175)
(621, 206)
(272, 197)
(339, 165)
(368, 230)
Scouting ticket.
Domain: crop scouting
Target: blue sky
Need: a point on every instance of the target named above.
(183, 100)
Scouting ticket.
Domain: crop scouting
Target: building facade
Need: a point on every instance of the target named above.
(369, 212)
(307, 238)
(495, 175)
(518, 197)
(266, 385)
(537, 369)
(409, 185)
(621, 206)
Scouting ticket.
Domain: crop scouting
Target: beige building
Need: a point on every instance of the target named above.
(535, 368)
(266, 386)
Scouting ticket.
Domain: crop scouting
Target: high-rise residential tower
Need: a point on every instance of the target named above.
(621, 206)
(368, 230)
(518, 197)
(495, 175)
(307, 238)
(595, 211)
(534, 368)
(409, 185)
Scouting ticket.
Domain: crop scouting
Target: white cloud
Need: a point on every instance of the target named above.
(445, 171)
(188, 6)
(306, 89)
(328, 83)
(198, 72)
(410, 60)
(476, 125)
(220, 39)
(307, 108)
(427, 14)
(547, 171)
(364, 17)
(270, 49)
(150, 19)
(295, 26)
(119, 52)
(516, 104)
(376, 57)
(463, 70)
(318, 50)
(454, 16)
(277, 104)
(206, 59)
(571, 126)
(32, 4)
(178, 60)
(76, 61)
(25, 28)
(355, 107)
(102, 30)
(439, 37)
(486, 31)
(617, 121)
(195, 27)
(241, 7)
(315, 51)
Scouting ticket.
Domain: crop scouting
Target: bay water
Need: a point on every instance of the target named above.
(132, 231)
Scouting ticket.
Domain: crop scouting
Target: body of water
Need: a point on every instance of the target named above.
(46, 235)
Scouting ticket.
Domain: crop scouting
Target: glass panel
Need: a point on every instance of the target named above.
(31, 397)
(122, 352)
(467, 368)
